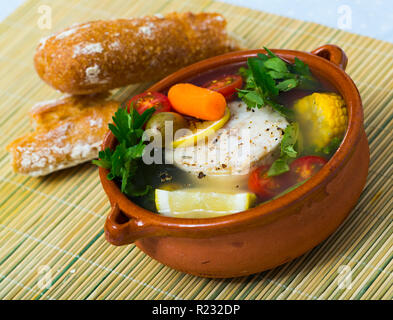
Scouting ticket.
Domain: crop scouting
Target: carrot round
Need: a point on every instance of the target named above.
(197, 102)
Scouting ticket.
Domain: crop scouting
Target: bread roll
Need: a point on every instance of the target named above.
(68, 131)
(102, 55)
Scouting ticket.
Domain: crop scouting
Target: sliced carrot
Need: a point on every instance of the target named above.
(197, 102)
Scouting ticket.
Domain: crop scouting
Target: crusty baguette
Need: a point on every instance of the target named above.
(102, 55)
(67, 132)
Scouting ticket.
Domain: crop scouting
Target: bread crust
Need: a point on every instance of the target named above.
(102, 55)
(68, 131)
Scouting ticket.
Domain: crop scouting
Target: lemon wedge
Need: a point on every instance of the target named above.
(200, 130)
(195, 203)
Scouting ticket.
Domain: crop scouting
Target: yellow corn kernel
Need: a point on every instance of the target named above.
(322, 117)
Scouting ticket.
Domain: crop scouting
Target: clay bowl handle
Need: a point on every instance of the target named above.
(121, 230)
(332, 53)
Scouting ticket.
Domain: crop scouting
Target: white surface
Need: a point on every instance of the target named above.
(7, 6)
(370, 18)
(373, 18)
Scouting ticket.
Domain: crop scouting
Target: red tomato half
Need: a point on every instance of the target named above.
(305, 167)
(267, 187)
(147, 100)
(225, 85)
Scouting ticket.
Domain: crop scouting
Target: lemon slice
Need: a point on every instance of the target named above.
(200, 130)
(195, 203)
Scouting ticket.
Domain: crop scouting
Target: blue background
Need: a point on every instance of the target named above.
(372, 18)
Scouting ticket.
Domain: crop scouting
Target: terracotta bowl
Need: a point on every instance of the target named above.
(270, 234)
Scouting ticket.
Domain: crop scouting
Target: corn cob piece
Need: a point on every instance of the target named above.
(323, 117)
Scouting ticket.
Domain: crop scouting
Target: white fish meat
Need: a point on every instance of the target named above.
(250, 138)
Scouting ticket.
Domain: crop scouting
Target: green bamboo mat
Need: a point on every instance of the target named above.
(52, 227)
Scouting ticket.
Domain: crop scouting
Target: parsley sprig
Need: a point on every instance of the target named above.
(124, 160)
(289, 150)
(268, 75)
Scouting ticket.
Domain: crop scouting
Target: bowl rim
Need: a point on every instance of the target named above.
(267, 211)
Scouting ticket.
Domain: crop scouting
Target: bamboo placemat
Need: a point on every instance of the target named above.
(52, 227)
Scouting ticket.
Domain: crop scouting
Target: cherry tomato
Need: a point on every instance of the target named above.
(267, 187)
(225, 85)
(300, 169)
(147, 100)
(305, 167)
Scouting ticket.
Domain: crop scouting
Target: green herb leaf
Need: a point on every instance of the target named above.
(123, 162)
(299, 67)
(140, 120)
(245, 73)
(122, 125)
(278, 167)
(281, 75)
(332, 146)
(289, 139)
(291, 188)
(288, 150)
(288, 113)
(253, 97)
(262, 79)
(287, 85)
(304, 75)
(268, 75)
(262, 57)
(134, 191)
(276, 64)
(270, 53)
(105, 159)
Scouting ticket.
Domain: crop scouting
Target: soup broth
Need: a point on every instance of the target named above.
(169, 177)
(292, 131)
